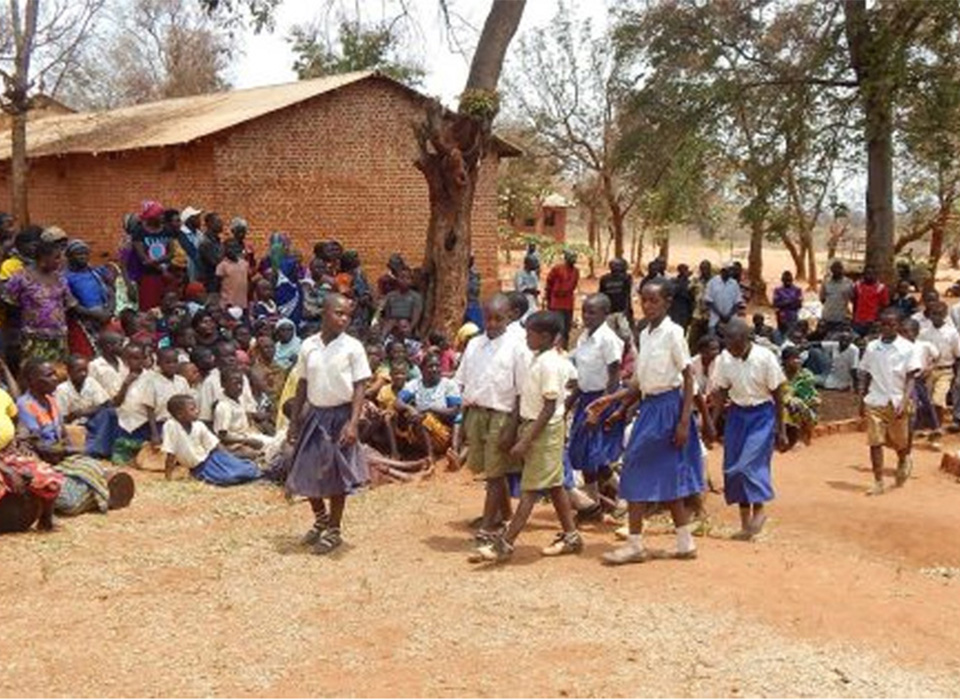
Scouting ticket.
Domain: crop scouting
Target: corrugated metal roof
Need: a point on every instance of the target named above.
(179, 120)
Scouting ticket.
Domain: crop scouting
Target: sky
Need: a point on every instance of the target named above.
(267, 58)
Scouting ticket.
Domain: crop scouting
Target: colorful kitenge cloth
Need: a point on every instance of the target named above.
(42, 480)
(801, 400)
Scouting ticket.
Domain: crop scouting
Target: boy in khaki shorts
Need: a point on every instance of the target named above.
(489, 376)
(540, 444)
(890, 366)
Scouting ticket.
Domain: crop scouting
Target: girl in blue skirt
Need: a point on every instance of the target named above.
(751, 377)
(327, 462)
(592, 448)
(663, 462)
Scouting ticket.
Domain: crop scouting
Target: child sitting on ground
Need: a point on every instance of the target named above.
(844, 357)
(427, 412)
(109, 370)
(448, 358)
(83, 402)
(167, 382)
(231, 423)
(376, 427)
(402, 334)
(187, 441)
(800, 399)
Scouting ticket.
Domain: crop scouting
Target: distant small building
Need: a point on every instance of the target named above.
(550, 218)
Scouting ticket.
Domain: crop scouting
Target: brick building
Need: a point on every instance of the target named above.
(549, 219)
(325, 158)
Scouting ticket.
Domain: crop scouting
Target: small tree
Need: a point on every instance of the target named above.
(39, 44)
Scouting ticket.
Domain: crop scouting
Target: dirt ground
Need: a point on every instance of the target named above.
(195, 590)
(198, 591)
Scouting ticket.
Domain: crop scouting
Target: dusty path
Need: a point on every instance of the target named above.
(199, 591)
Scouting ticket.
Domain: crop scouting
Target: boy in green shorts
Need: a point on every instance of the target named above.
(540, 444)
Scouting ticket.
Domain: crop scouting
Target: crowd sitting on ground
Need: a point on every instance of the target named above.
(236, 368)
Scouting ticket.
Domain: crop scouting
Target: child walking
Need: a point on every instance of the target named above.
(540, 444)
(599, 350)
(327, 461)
(751, 376)
(890, 365)
(663, 462)
(490, 376)
(945, 338)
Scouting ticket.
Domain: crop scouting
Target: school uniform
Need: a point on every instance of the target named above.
(925, 416)
(654, 469)
(544, 380)
(946, 340)
(211, 391)
(231, 417)
(106, 375)
(101, 427)
(489, 375)
(199, 451)
(889, 365)
(843, 363)
(321, 467)
(590, 447)
(751, 426)
(164, 389)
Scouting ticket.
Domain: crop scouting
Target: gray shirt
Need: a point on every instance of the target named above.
(724, 295)
(837, 295)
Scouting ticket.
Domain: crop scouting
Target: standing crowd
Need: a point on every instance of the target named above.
(237, 366)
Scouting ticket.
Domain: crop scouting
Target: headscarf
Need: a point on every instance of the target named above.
(76, 246)
(279, 247)
(151, 210)
(466, 332)
(286, 353)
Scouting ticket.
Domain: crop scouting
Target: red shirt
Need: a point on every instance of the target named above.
(870, 300)
(561, 286)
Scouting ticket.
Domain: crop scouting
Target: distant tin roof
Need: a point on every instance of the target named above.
(183, 119)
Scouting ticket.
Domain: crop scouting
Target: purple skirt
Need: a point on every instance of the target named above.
(321, 467)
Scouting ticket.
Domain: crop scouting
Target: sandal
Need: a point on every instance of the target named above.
(904, 470)
(329, 541)
(313, 535)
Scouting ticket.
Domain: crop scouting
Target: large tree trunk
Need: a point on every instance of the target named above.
(452, 148)
(813, 278)
(797, 253)
(18, 168)
(755, 263)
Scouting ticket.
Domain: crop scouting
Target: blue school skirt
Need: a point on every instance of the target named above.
(321, 467)
(748, 441)
(102, 431)
(654, 469)
(221, 468)
(590, 447)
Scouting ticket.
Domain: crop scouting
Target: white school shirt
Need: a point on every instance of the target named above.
(491, 371)
(189, 448)
(946, 340)
(925, 323)
(594, 353)
(69, 400)
(132, 413)
(953, 317)
(229, 415)
(661, 358)
(927, 354)
(331, 370)
(108, 377)
(888, 365)
(211, 391)
(842, 364)
(164, 389)
(545, 379)
(750, 381)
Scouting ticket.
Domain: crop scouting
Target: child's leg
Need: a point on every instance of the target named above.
(496, 501)
(632, 551)
(681, 523)
(746, 517)
(45, 522)
(427, 441)
(337, 504)
(561, 504)
(876, 463)
(758, 519)
(330, 538)
(528, 500)
(321, 521)
(391, 428)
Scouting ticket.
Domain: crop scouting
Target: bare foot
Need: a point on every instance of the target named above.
(878, 489)
(453, 460)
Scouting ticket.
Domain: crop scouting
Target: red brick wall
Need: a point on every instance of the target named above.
(337, 166)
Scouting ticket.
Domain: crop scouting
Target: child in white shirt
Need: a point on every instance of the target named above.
(231, 423)
(939, 380)
(890, 366)
(188, 442)
(83, 402)
(109, 370)
(753, 380)
(540, 445)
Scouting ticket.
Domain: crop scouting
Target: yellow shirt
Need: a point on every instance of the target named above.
(8, 411)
